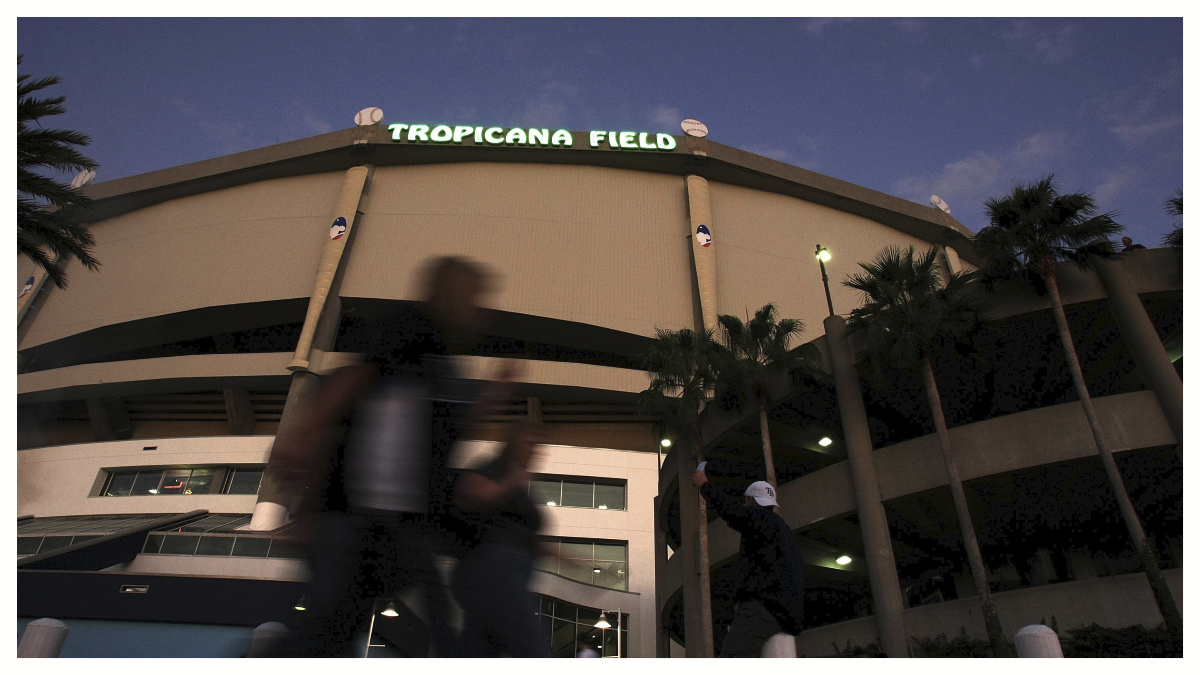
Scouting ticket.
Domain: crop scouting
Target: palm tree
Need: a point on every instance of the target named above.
(757, 348)
(1174, 206)
(1030, 231)
(41, 228)
(907, 313)
(682, 367)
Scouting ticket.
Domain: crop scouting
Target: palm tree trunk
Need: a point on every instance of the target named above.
(706, 624)
(991, 619)
(768, 454)
(1162, 592)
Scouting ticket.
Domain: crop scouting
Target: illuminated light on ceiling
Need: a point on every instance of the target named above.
(844, 560)
(825, 442)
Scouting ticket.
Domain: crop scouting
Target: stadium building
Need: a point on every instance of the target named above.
(149, 393)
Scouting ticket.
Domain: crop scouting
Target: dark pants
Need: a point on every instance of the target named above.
(355, 559)
(752, 626)
(500, 615)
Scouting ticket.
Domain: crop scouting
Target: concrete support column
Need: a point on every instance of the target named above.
(1139, 335)
(43, 638)
(877, 541)
(1037, 642)
(703, 253)
(240, 411)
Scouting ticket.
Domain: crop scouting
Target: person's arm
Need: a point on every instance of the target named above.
(735, 513)
(476, 492)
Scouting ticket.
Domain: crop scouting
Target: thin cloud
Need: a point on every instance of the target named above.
(666, 117)
(1140, 134)
(1048, 43)
(966, 183)
(818, 27)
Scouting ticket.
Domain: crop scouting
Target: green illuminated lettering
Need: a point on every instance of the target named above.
(627, 140)
(487, 135)
(396, 129)
(595, 137)
(539, 136)
(462, 132)
(666, 142)
(644, 142)
(515, 135)
(440, 134)
(612, 140)
(417, 132)
(478, 135)
(562, 137)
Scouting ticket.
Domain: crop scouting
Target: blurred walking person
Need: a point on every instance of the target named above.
(371, 461)
(492, 581)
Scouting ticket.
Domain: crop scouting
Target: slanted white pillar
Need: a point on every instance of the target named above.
(1038, 642)
(43, 638)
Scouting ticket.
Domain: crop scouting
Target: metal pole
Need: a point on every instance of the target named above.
(618, 631)
(370, 628)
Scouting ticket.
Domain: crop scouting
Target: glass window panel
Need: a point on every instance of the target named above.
(180, 544)
(545, 491)
(577, 494)
(28, 545)
(120, 484)
(545, 629)
(590, 635)
(611, 575)
(546, 564)
(153, 543)
(562, 640)
(610, 643)
(588, 616)
(252, 547)
(84, 537)
(174, 481)
(245, 482)
(577, 550)
(51, 543)
(146, 483)
(610, 552)
(201, 482)
(564, 610)
(579, 570)
(610, 496)
(285, 548)
(547, 605)
(215, 546)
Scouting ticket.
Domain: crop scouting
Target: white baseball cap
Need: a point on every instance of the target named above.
(763, 493)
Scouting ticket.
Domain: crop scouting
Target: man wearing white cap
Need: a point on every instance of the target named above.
(770, 593)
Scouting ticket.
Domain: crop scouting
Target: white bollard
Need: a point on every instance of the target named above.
(779, 646)
(1038, 642)
(265, 638)
(43, 639)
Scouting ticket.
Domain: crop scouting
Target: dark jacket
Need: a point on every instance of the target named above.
(769, 565)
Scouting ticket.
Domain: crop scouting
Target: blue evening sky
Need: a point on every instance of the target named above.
(962, 108)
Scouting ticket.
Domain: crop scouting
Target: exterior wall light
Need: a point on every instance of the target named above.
(844, 560)
(551, 504)
(666, 442)
(823, 254)
(825, 442)
(390, 610)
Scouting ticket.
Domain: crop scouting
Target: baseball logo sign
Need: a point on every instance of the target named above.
(338, 229)
(703, 236)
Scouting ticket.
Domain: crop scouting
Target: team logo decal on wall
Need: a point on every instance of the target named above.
(338, 229)
(704, 236)
(28, 287)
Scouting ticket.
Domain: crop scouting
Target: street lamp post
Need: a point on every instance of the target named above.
(603, 624)
(822, 257)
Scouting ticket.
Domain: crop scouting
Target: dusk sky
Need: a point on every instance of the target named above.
(961, 108)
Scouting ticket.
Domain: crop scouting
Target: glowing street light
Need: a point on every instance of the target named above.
(823, 257)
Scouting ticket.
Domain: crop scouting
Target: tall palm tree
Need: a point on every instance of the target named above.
(1030, 231)
(43, 234)
(1174, 206)
(757, 348)
(907, 312)
(682, 367)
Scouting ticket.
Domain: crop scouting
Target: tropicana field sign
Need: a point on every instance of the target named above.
(516, 136)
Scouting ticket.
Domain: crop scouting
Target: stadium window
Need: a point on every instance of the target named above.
(182, 481)
(578, 492)
(593, 562)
